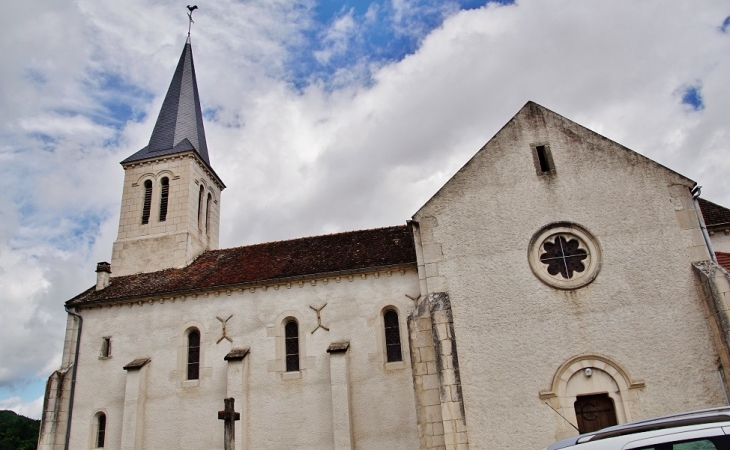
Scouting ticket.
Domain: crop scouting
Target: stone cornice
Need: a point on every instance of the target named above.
(262, 285)
(188, 154)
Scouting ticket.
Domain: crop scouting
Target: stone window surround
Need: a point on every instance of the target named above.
(381, 356)
(587, 242)
(278, 365)
(179, 376)
(156, 179)
(548, 156)
(104, 343)
(94, 428)
(204, 207)
(623, 392)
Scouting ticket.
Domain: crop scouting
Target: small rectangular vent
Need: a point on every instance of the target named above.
(543, 159)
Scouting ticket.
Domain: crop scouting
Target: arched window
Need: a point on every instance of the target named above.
(200, 206)
(147, 202)
(392, 336)
(164, 194)
(193, 355)
(291, 333)
(207, 214)
(100, 430)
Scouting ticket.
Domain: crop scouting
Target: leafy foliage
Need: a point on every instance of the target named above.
(18, 432)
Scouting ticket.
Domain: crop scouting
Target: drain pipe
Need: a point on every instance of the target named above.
(696, 191)
(73, 376)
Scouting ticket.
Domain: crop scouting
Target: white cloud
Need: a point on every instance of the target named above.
(32, 409)
(303, 161)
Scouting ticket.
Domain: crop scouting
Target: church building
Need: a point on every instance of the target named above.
(558, 282)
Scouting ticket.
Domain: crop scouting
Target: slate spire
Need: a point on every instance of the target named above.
(179, 126)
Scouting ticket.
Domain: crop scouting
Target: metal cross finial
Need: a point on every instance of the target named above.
(225, 336)
(319, 318)
(190, 16)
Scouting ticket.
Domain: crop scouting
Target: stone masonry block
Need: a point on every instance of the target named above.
(427, 354)
(424, 324)
(432, 270)
(437, 284)
(698, 253)
(431, 382)
(429, 398)
(445, 347)
(432, 253)
(450, 439)
(440, 317)
(438, 428)
(438, 441)
(432, 413)
(687, 219)
(448, 377)
(431, 367)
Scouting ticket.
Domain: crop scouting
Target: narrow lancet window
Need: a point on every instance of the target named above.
(100, 430)
(392, 336)
(200, 206)
(291, 333)
(147, 202)
(207, 214)
(164, 194)
(193, 355)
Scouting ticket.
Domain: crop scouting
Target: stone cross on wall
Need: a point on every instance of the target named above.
(229, 416)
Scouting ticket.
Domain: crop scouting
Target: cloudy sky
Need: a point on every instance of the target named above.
(321, 116)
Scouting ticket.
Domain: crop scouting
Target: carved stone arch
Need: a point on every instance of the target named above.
(586, 375)
(146, 176)
(165, 173)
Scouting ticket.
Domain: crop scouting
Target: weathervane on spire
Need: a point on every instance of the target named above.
(190, 16)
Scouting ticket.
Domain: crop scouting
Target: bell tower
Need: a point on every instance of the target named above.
(171, 197)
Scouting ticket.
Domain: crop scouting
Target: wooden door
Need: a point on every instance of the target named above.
(594, 412)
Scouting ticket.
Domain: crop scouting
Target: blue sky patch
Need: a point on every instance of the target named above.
(725, 27)
(35, 76)
(693, 97)
(353, 34)
(119, 101)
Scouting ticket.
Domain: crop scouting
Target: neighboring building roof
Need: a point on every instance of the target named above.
(328, 254)
(179, 126)
(723, 259)
(713, 213)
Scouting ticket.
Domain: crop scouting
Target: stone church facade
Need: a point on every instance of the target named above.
(558, 281)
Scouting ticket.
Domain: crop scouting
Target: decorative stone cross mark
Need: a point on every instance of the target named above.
(225, 336)
(229, 416)
(319, 318)
(414, 299)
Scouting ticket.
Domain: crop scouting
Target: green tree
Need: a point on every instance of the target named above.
(18, 432)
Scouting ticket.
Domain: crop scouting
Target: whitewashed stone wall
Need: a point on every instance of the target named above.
(642, 313)
(182, 236)
(720, 239)
(278, 410)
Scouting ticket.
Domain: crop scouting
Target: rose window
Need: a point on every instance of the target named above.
(564, 255)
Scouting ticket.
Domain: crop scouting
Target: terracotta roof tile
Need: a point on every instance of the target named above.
(713, 213)
(331, 253)
(723, 259)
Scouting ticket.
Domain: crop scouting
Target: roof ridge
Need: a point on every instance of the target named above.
(303, 238)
